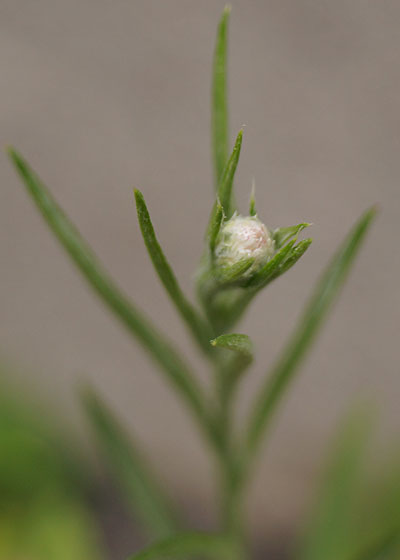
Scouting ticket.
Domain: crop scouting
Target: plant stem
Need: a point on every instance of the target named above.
(231, 506)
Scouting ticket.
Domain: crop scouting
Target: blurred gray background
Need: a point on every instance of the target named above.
(103, 96)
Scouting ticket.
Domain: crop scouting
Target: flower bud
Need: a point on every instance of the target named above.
(243, 238)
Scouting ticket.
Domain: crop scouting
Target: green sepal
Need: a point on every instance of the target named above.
(262, 277)
(295, 254)
(233, 275)
(252, 203)
(282, 235)
(216, 222)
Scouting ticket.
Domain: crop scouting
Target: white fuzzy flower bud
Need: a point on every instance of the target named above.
(243, 238)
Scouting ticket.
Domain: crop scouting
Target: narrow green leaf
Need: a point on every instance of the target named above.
(226, 183)
(161, 350)
(187, 544)
(200, 329)
(223, 206)
(219, 116)
(283, 235)
(331, 534)
(308, 326)
(130, 471)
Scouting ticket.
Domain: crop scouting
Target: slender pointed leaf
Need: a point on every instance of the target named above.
(223, 207)
(131, 473)
(226, 183)
(200, 329)
(188, 544)
(331, 534)
(161, 350)
(310, 322)
(282, 235)
(219, 118)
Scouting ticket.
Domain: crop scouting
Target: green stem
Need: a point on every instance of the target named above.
(231, 506)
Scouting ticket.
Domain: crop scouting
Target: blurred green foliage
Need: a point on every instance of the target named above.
(44, 513)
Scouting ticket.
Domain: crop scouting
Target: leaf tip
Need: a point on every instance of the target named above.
(372, 211)
(227, 11)
(12, 154)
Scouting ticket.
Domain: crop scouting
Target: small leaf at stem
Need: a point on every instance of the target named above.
(219, 116)
(131, 472)
(158, 346)
(238, 343)
(316, 311)
(282, 235)
(188, 544)
(241, 349)
(200, 329)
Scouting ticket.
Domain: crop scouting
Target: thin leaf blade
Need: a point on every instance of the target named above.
(225, 188)
(219, 116)
(134, 477)
(200, 329)
(156, 344)
(331, 534)
(315, 313)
